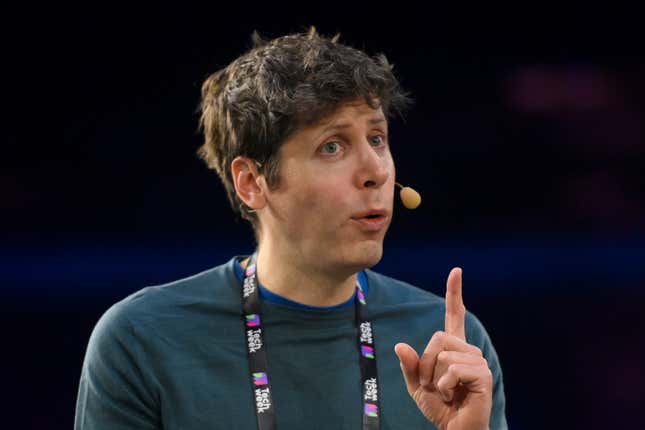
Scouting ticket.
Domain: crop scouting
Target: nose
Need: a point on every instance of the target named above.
(373, 171)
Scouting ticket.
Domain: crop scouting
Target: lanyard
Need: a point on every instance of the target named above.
(251, 317)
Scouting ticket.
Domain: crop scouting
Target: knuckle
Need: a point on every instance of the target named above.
(456, 310)
(476, 351)
(442, 384)
(489, 377)
(438, 336)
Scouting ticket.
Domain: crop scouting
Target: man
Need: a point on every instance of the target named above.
(300, 334)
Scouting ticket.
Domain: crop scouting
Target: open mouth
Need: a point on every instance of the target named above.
(374, 221)
(370, 214)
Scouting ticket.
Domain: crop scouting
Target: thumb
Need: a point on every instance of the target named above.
(409, 360)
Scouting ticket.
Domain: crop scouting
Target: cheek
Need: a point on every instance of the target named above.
(389, 165)
(325, 199)
(322, 203)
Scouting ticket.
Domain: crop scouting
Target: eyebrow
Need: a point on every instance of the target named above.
(372, 121)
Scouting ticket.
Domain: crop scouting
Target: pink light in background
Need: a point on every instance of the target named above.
(560, 89)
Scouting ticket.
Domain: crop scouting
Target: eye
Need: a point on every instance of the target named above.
(377, 140)
(330, 148)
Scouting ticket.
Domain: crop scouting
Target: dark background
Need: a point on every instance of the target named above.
(527, 142)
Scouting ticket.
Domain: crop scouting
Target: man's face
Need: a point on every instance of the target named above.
(333, 203)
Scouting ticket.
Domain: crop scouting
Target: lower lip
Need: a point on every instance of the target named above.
(371, 224)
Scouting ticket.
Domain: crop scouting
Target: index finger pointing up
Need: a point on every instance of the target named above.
(455, 309)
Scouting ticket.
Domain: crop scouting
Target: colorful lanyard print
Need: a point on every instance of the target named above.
(251, 316)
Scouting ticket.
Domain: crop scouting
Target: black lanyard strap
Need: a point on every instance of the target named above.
(256, 346)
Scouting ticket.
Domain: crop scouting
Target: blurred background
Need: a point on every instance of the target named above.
(526, 141)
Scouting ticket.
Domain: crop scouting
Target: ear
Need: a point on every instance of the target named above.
(249, 184)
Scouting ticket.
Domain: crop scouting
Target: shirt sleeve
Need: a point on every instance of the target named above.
(476, 334)
(113, 392)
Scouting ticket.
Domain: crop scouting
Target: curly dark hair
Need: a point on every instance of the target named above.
(250, 107)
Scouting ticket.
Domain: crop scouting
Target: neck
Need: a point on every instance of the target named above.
(300, 282)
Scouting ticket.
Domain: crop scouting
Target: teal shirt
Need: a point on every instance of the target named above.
(174, 357)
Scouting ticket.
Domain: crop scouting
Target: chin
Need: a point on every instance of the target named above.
(366, 255)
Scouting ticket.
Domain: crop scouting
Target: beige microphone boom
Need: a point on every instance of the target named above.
(410, 197)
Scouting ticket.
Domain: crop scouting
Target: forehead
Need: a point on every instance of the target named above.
(349, 113)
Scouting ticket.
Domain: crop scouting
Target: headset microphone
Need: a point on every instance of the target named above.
(411, 198)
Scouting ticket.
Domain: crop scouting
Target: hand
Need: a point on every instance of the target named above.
(451, 382)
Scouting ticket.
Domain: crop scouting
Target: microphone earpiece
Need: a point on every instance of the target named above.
(410, 198)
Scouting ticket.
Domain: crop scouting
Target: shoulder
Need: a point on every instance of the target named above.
(157, 307)
(394, 291)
